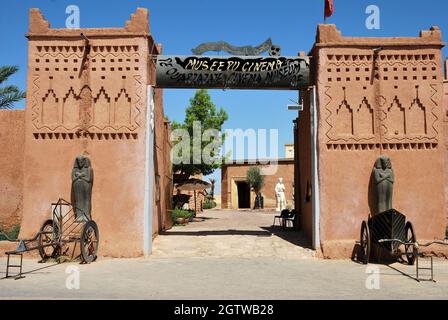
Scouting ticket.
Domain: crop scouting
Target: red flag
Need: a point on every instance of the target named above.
(329, 8)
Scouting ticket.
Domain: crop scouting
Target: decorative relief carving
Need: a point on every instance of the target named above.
(85, 135)
(101, 109)
(399, 117)
(70, 110)
(50, 109)
(351, 125)
(344, 120)
(122, 115)
(139, 87)
(365, 126)
(417, 119)
(112, 105)
(433, 111)
(395, 122)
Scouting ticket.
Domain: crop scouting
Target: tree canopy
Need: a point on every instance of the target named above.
(201, 111)
(255, 178)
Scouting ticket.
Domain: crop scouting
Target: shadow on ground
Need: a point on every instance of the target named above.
(295, 237)
(24, 273)
(229, 232)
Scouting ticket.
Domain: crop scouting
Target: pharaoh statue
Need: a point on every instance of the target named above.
(384, 181)
(280, 195)
(82, 182)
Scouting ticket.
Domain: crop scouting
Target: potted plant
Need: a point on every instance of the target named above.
(180, 217)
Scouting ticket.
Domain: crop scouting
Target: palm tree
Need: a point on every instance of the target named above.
(9, 94)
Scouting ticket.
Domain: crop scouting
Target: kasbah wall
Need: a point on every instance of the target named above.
(92, 103)
(12, 127)
(390, 104)
(445, 134)
(371, 104)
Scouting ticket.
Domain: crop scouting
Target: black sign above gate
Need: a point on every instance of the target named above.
(232, 72)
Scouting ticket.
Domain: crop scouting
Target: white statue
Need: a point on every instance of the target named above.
(280, 195)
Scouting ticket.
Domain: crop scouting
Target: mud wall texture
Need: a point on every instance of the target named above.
(379, 96)
(12, 127)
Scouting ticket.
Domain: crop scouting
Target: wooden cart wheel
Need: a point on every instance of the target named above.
(365, 243)
(410, 237)
(89, 242)
(48, 236)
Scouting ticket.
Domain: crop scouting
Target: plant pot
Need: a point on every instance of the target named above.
(180, 220)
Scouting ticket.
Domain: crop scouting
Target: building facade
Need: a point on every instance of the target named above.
(445, 132)
(374, 96)
(91, 95)
(237, 194)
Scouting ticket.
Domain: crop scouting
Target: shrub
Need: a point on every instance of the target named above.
(12, 234)
(209, 204)
(179, 213)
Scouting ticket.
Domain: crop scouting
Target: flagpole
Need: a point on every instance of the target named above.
(325, 14)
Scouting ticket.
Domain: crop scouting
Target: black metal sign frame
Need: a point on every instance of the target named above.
(232, 72)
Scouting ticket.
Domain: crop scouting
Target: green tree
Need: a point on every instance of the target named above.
(255, 179)
(9, 94)
(203, 111)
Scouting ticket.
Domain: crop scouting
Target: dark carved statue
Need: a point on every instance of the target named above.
(82, 182)
(384, 183)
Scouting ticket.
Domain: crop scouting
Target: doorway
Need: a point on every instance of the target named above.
(243, 195)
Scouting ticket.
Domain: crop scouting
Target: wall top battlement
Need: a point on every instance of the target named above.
(329, 36)
(138, 25)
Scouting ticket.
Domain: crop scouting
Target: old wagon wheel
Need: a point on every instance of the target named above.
(365, 242)
(48, 247)
(89, 242)
(409, 248)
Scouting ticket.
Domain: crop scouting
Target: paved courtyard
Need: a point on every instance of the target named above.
(226, 234)
(229, 255)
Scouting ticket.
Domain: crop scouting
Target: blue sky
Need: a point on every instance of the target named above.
(181, 25)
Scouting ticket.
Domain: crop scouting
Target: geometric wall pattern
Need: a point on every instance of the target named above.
(365, 107)
(101, 97)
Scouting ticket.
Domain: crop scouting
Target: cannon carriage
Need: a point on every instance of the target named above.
(390, 231)
(69, 225)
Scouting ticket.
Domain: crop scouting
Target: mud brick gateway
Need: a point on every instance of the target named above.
(95, 102)
(367, 96)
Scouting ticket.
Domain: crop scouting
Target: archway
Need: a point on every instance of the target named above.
(239, 72)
